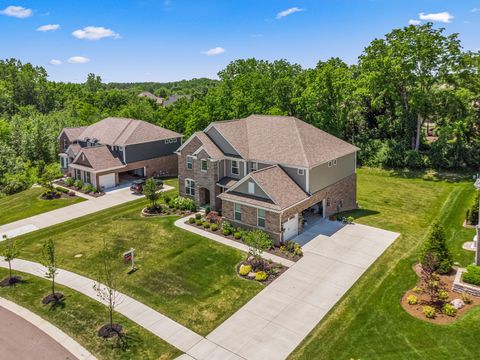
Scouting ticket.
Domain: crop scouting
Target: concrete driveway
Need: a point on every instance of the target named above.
(277, 319)
(110, 199)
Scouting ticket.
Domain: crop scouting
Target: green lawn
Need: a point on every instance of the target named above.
(369, 322)
(81, 317)
(28, 203)
(187, 277)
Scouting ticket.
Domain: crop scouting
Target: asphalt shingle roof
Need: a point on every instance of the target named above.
(101, 158)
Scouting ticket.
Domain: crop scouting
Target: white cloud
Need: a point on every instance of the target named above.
(78, 60)
(414, 22)
(55, 62)
(474, 10)
(287, 12)
(49, 27)
(95, 33)
(444, 17)
(17, 11)
(215, 51)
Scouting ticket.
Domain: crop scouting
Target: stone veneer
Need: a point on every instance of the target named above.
(460, 287)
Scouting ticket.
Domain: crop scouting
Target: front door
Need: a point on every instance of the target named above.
(204, 197)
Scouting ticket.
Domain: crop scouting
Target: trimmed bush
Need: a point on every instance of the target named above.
(78, 184)
(191, 220)
(214, 227)
(442, 295)
(183, 203)
(429, 312)
(206, 225)
(417, 290)
(449, 310)
(436, 249)
(244, 269)
(261, 276)
(199, 222)
(198, 216)
(226, 232)
(237, 235)
(88, 188)
(472, 275)
(69, 181)
(207, 210)
(412, 299)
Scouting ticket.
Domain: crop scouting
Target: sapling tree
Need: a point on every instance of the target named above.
(258, 241)
(436, 244)
(49, 174)
(150, 190)
(49, 256)
(10, 252)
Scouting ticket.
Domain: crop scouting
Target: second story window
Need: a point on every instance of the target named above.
(235, 170)
(254, 166)
(65, 144)
(238, 212)
(189, 162)
(204, 165)
(301, 172)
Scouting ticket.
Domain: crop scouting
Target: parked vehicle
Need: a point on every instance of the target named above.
(137, 185)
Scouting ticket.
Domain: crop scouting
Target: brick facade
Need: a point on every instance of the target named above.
(204, 180)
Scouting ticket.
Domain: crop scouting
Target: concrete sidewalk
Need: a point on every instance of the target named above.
(276, 320)
(110, 199)
(25, 335)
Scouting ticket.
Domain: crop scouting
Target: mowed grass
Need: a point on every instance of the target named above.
(369, 323)
(81, 317)
(188, 278)
(28, 203)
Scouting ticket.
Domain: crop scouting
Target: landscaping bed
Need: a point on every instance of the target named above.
(422, 300)
(79, 186)
(212, 222)
(265, 273)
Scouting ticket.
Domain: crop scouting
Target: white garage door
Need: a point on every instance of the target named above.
(291, 228)
(107, 181)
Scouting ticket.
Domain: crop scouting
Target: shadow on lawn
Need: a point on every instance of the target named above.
(359, 213)
(432, 175)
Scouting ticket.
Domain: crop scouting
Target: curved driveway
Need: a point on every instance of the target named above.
(21, 340)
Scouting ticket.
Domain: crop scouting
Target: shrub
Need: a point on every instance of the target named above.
(412, 299)
(227, 226)
(466, 298)
(226, 232)
(213, 217)
(198, 216)
(237, 235)
(472, 275)
(78, 184)
(449, 310)
(429, 312)
(206, 224)
(442, 295)
(436, 248)
(207, 210)
(62, 190)
(244, 269)
(417, 290)
(261, 276)
(472, 216)
(69, 181)
(199, 222)
(88, 188)
(214, 227)
(166, 199)
(183, 203)
(191, 220)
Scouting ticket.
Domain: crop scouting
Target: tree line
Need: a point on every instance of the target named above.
(412, 100)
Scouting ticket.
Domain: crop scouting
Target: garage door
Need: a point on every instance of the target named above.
(107, 181)
(291, 228)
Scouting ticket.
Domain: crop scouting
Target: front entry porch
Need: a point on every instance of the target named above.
(204, 197)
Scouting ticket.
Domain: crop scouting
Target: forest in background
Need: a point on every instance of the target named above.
(412, 101)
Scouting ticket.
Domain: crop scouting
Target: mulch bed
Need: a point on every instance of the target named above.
(63, 184)
(416, 310)
(10, 281)
(165, 212)
(107, 331)
(275, 251)
(52, 298)
(280, 269)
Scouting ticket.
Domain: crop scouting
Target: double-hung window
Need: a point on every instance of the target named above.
(254, 166)
(261, 218)
(189, 162)
(238, 212)
(235, 167)
(204, 164)
(190, 187)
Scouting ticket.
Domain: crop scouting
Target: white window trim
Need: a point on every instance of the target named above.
(330, 164)
(254, 166)
(237, 167)
(235, 212)
(251, 187)
(188, 189)
(201, 165)
(264, 218)
(334, 162)
(191, 162)
(301, 172)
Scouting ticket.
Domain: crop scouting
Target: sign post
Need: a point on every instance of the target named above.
(129, 257)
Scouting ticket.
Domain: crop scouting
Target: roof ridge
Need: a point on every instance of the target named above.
(124, 129)
(295, 120)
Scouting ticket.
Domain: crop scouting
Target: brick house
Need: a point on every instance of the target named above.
(268, 172)
(116, 150)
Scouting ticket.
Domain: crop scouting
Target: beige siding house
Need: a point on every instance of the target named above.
(268, 172)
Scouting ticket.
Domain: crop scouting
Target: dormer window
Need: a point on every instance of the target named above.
(234, 169)
(254, 166)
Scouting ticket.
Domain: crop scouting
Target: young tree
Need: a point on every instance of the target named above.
(50, 262)
(436, 246)
(258, 241)
(106, 289)
(49, 174)
(10, 252)
(150, 190)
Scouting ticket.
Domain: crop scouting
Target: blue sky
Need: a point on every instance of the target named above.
(167, 40)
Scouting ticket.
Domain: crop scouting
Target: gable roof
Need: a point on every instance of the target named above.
(209, 146)
(100, 158)
(122, 131)
(275, 182)
(73, 132)
(282, 140)
(73, 150)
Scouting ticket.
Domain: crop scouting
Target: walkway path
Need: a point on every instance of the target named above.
(111, 198)
(25, 335)
(276, 320)
(235, 244)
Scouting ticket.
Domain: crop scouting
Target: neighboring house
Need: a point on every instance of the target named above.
(115, 150)
(146, 94)
(268, 171)
(174, 98)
